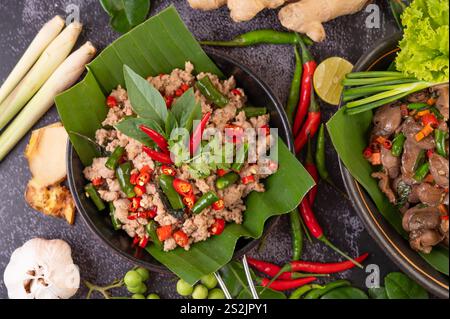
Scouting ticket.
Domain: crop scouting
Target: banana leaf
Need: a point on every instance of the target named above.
(157, 46)
(349, 134)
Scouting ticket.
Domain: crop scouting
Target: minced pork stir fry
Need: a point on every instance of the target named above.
(409, 143)
(154, 200)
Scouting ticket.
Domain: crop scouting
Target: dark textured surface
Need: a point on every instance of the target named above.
(348, 37)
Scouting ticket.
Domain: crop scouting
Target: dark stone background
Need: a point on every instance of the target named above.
(348, 37)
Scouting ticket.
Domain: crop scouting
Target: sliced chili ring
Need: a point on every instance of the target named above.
(248, 179)
(135, 204)
(143, 242)
(182, 187)
(139, 190)
(184, 87)
(234, 133)
(97, 181)
(189, 200)
(221, 172)
(181, 238)
(111, 101)
(134, 178)
(218, 226)
(164, 232)
(367, 153)
(168, 170)
(169, 101)
(219, 205)
(143, 179)
(136, 240)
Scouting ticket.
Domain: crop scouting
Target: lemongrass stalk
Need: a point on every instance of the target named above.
(374, 74)
(354, 82)
(47, 63)
(45, 36)
(409, 87)
(63, 78)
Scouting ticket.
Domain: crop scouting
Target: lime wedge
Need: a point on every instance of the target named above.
(328, 78)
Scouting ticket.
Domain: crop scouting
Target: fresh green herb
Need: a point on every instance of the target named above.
(126, 14)
(187, 110)
(400, 286)
(403, 191)
(378, 293)
(345, 293)
(130, 127)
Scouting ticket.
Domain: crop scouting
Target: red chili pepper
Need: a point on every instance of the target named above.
(97, 181)
(311, 126)
(430, 119)
(152, 212)
(309, 67)
(168, 170)
(182, 187)
(429, 153)
(135, 204)
(184, 87)
(143, 242)
(218, 226)
(282, 285)
(157, 156)
(266, 129)
(132, 217)
(236, 92)
(179, 92)
(181, 238)
(219, 205)
(310, 166)
(143, 179)
(136, 240)
(189, 200)
(169, 101)
(197, 134)
(221, 172)
(234, 133)
(445, 217)
(139, 190)
(367, 152)
(164, 232)
(111, 101)
(315, 229)
(133, 178)
(268, 268)
(157, 138)
(387, 144)
(248, 179)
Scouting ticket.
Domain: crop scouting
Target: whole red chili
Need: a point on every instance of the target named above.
(156, 137)
(168, 170)
(268, 268)
(309, 67)
(310, 166)
(189, 200)
(311, 126)
(182, 187)
(282, 285)
(157, 156)
(111, 101)
(218, 226)
(197, 134)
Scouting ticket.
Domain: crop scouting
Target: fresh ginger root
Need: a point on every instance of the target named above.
(207, 4)
(246, 10)
(307, 16)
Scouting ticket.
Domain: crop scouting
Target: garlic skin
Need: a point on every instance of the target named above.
(42, 269)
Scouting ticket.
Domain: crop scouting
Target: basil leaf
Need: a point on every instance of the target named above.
(130, 127)
(345, 293)
(233, 275)
(400, 286)
(126, 14)
(267, 294)
(171, 123)
(378, 293)
(147, 102)
(186, 110)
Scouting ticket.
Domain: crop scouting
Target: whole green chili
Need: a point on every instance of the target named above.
(253, 111)
(123, 175)
(422, 172)
(117, 225)
(440, 138)
(211, 93)
(419, 160)
(299, 292)
(94, 196)
(296, 235)
(241, 155)
(205, 201)
(417, 106)
(263, 36)
(397, 145)
(319, 292)
(294, 93)
(320, 155)
(150, 229)
(114, 159)
(166, 184)
(227, 180)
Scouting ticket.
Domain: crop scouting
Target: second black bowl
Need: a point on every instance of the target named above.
(258, 93)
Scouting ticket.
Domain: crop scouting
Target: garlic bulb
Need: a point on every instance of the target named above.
(42, 269)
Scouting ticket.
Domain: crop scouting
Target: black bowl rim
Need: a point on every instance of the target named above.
(374, 222)
(269, 225)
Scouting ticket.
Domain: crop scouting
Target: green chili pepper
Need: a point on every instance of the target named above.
(205, 201)
(227, 180)
(417, 106)
(299, 292)
(317, 293)
(150, 229)
(241, 155)
(123, 175)
(320, 155)
(297, 235)
(436, 113)
(419, 160)
(94, 196)
(253, 111)
(422, 172)
(114, 158)
(440, 137)
(397, 145)
(166, 184)
(211, 93)
(294, 93)
(117, 225)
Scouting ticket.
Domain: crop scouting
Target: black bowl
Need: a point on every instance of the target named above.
(379, 58)
(258, 93)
